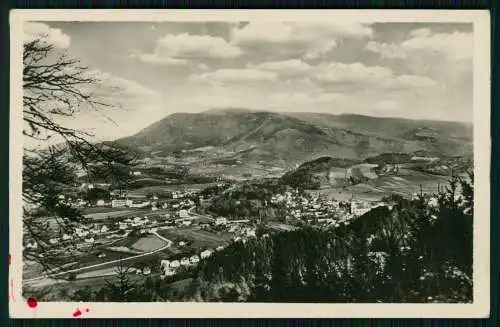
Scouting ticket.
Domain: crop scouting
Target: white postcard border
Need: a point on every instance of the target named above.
(482, 149)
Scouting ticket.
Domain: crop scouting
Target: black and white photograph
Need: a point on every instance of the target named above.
(236, 162)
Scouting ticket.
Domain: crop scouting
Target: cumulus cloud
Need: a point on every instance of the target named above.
(157, 60)
(454, 46)
(296, 74)
(124, 87)
(234, 76)
(389, 51)
(359, 76)
(311, 39)
(176, 49)
(44, 32)
(286, 67)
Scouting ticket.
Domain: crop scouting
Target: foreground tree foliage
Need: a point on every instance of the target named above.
(55, 87)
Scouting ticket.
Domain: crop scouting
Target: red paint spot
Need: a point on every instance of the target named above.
(32, 303)
(10, 259)
(77, 313)
(87, 310)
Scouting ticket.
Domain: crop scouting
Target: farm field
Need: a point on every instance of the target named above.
(138, 244)
(148, 244)
(97, 273)
(114, 214)
(199, 238)
(94, 210)
(170, 188)
(91, 258)
(405, 184)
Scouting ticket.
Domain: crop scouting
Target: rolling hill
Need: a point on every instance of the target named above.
(288, 139)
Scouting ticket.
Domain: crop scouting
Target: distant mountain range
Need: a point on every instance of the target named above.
(287, 139)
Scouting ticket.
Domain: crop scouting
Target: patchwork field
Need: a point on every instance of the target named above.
(113, 214)
(405, 184)
(171, 188)
(199, 238)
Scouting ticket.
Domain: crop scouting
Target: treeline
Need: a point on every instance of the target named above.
(250, 200)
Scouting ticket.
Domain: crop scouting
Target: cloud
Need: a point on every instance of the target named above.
(234, 76)
(357, 76)
(286, 67)
(310, 39)
(356, 72)
(177, 49)
(125, 87)
(410, 81)
(454, 46)
(44, 32)
(389, 51)
(202, 66)
(157, 60)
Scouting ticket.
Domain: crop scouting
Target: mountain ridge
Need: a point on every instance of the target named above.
(299, 136)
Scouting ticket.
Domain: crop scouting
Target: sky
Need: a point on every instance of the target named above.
(409, 70)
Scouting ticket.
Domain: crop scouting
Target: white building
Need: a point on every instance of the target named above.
(139, 204)
(104, 229)
(194, 259)
(100, 203)
(360, 208)
(120, 203)
(67, 237)
(220, 221)
(32, 245)
(183, 213)
(175, 264)
(205, 254)
(146, 271)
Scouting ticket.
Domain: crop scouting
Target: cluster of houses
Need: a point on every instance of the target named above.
(171, 267)
(313, 208)
(318, 209)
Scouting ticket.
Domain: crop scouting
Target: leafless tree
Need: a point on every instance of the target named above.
(56, 86)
